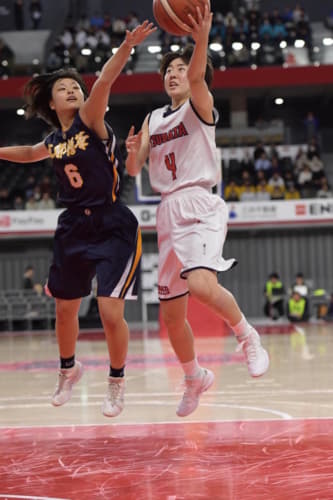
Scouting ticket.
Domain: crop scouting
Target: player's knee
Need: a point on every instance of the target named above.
(201, 291)
(66, 309)
(172, 321)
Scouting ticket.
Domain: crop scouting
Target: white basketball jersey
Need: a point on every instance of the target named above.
(182, 149)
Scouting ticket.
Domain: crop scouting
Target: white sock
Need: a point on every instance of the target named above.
(191, 368)
(242, 329)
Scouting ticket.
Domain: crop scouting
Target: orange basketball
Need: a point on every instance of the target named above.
(172, 15)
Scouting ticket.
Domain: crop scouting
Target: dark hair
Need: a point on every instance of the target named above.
(185, 54)
(38, 94)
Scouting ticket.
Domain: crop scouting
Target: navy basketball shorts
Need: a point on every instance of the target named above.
(100, 241)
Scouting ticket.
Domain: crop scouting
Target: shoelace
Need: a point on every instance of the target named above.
(114, 391)
(189, 386)
(251, 346)
(62, 379)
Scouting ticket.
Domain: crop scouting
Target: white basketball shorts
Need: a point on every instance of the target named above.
(191, 230)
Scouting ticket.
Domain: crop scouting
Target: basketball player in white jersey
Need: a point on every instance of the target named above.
(179, 140)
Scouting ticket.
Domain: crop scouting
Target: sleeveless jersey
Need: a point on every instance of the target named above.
(87, 168)
(182, 149)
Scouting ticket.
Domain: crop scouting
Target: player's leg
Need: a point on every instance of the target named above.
(117, 334)
(117, 271)
(67, 330)
(204, 286)
(197, 379)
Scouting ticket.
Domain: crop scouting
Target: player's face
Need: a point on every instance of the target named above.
(175, 79)
(66, 95)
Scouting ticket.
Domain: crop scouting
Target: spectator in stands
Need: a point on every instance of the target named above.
(5, 201)
(118, 29)
(186, 189)
(247, 192)
(263, 163)
(28, 282)
(305, 182)
(260, 175)
(18, 203)
(276, 181)
(269, 53)
(95, 225)
(289, 180)
(218, 31)
(274, 292)
(96, 21)
(132, 20)
(31, 203)
(301, 159)
(247, 163)
(275, 163)
(19, 15)
(265, 30)
(83, 23)
(231, 192)
(297, 308)
(37, 193)
(56, 57)
(311, 124)
(279, 31)
(258, 150)
(262, 191)
(277, 193)
(313, 148)
(324, 191)
(303, 30)
(45, 185)
(300, 285)
(292, 193)
(317, 169)
(35, 13)
(29, 186)
(46, 202)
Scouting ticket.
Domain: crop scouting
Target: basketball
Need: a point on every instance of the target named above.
(172, 15)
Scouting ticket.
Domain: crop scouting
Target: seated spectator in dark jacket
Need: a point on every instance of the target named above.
(28, 282)
(297, 309)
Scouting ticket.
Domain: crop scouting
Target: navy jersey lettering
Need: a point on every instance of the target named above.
(88, 169)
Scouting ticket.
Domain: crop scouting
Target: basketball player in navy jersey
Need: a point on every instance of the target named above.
(179, 140)
(96, 234)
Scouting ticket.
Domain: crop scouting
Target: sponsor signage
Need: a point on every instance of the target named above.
(296, 212)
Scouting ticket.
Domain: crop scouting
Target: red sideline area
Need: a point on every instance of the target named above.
(206, 324)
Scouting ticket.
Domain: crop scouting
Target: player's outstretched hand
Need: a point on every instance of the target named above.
(202, 25)
(140, 33)
(133, 141)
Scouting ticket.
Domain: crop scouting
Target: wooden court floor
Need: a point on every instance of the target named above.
(250, 439)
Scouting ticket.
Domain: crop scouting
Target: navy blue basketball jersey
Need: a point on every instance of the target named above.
(87, 168)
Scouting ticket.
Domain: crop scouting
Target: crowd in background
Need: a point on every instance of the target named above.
(86, 42)
(248, 36)
(266, 176)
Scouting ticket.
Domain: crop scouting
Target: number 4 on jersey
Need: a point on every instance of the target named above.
(170, 163)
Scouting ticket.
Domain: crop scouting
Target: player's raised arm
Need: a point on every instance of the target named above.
(93, 110)
(24, 154)
(200, 94)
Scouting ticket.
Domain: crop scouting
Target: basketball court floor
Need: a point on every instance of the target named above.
(250, 439)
